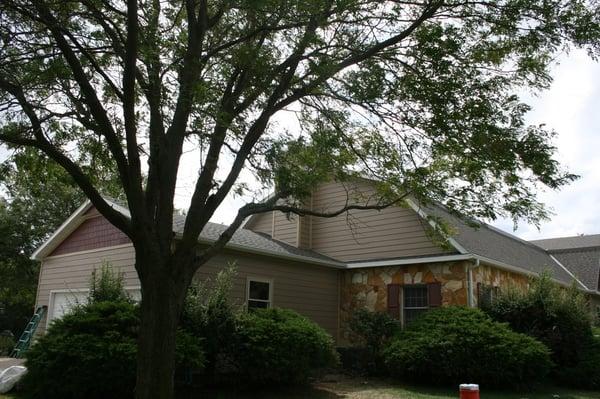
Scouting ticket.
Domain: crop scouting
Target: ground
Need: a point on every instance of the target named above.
(347, 388)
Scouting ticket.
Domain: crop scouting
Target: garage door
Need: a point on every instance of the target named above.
(62, 302)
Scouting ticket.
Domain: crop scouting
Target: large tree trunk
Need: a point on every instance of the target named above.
(162, 301)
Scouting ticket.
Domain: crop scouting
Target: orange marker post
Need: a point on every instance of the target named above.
(469, 391)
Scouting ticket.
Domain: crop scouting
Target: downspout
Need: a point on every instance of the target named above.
(470, 294)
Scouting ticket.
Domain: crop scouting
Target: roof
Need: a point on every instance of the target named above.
(242, 240)
(493, 245)
(583, 263)
(573, 242)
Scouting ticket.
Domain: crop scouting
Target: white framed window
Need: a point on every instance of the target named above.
(415, 301)
(259, 293)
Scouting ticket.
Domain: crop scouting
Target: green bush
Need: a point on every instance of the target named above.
(455, 345)
(556, 316)
(278, 346)
(107, 285)
(208, 314)
(371, 331)
(7, 344)
(586, 373)
(91, 353)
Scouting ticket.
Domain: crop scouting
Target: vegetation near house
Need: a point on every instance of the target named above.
(371, 332)
(559, 318)
(91, 352)
(457, 344)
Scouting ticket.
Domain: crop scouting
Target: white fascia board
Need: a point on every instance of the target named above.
(62, 232)
(425, 216)
(408, 261)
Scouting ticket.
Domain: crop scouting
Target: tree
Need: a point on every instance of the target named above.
(37, 196)
(416, 94)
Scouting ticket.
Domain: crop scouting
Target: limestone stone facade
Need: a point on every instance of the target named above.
(367, 288)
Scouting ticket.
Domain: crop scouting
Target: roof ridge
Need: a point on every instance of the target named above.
(566, 237)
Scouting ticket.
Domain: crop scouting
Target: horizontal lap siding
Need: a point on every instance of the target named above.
(308, 289)
(262, 223)
(286, 229)
(74, 271)
(366, 234)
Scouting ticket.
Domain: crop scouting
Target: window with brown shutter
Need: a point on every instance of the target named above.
(393, 300)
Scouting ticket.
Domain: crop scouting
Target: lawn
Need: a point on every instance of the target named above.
(345, 388)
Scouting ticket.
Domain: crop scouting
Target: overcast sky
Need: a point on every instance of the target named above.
(571, 107)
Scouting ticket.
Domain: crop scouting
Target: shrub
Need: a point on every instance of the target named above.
(107, 285)
(586, 373)
(91, 353)
(370, 333)
(209, 315)
(556, 316)
(278, 346)
(456, 344)
(7, 344)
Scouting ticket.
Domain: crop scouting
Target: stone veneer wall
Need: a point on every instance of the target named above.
(492, 276)
(367, 287)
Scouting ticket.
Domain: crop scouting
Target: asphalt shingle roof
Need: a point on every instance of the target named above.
(583, 263)
(489, 242)
(583, 241)
(253, 241)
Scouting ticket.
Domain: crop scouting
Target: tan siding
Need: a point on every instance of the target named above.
(366, 234)
(305, 225)
(262, 223)
(286, 228)
(308, 289)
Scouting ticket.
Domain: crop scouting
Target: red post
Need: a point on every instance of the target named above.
(469, 391)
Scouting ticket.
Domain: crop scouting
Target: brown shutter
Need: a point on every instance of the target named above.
(435, 294)
(393, 300)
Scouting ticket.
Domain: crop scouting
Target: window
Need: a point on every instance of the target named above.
(259, 293)
(416, 301)
(486, 294)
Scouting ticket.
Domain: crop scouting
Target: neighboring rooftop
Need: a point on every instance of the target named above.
(573, 242)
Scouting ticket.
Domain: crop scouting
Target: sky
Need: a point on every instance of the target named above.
(571, 107)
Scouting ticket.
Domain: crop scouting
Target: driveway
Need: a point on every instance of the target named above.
(6, 362)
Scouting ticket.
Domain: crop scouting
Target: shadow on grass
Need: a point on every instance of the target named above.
(230, 393)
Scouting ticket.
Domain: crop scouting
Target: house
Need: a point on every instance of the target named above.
(324, 268)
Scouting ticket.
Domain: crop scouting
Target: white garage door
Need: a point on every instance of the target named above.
(62, 302)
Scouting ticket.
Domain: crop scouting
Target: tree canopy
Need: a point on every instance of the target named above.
(36, 196)
(417, 95)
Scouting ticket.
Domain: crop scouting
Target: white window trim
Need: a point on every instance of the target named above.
(270, 281)
(402, 301)
(75, 290)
